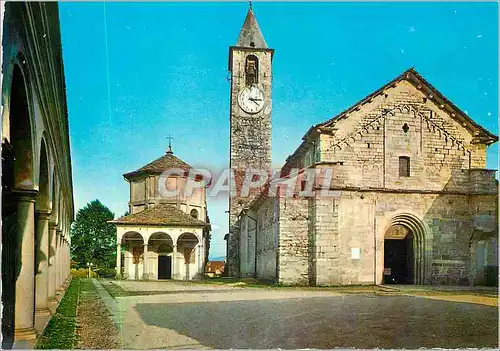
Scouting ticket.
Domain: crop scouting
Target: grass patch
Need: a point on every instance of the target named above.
(115, 290)
(60, 332)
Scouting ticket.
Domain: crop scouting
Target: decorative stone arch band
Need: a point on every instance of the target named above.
(422, 245)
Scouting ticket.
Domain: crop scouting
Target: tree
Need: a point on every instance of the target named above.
(93, 239)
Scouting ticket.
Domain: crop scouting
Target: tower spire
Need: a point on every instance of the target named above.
(250, 34)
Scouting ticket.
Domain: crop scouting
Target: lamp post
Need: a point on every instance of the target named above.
(89, 264)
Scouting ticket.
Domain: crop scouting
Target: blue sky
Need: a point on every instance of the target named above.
(137, 72)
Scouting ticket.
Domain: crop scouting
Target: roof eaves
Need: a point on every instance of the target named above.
(461, 114)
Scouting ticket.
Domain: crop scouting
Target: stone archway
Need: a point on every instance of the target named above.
(406, 260)
(133, 244)
(187, 245)
(42, 213)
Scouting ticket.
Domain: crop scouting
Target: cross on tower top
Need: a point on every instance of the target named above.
(169, 151)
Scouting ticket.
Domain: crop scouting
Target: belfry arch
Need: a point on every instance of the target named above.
(406, 251)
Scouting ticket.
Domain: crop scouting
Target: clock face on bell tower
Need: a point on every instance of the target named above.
(251, 99)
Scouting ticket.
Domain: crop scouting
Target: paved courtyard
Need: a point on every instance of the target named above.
(224, 317)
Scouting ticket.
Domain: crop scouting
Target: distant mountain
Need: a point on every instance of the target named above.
(217, 258)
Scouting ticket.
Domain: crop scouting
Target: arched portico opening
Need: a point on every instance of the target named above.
(133, 260)
(17, 213)
(405, 258)
(162, 261)
(42, 213)
(53, 221)
(187, 245)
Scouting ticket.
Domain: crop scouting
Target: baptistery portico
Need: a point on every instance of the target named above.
(171, 251)
(163, 237)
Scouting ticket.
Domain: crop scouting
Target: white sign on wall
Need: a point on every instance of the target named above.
(355, 253)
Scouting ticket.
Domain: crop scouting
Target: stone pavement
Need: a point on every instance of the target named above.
(233, 317)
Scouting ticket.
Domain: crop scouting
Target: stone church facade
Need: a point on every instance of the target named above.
(411, 200)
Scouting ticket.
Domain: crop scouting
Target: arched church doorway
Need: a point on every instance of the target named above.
(406, 260)
(398, 255)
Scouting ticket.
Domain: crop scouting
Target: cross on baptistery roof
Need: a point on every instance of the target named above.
(169, 151)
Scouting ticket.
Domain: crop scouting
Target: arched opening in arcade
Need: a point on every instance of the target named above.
(133, 255)
(187, 245)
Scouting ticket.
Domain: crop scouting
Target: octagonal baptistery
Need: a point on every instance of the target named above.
(166, 225)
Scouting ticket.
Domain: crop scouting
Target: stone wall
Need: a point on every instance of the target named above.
(293, 257)
(247, 243)
(267, 239)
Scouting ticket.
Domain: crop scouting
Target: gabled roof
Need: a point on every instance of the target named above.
(413, 77)
(158, 166)
(250, 33)
(480, 133)
(160, 215)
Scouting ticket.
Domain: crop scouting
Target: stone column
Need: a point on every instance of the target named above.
(58, 260)
(52, 262)
(118, 261)
(145, 275)
(201, 259)
(126, 263)
(25, 283)
(42, 275)
(174, 262)
(65, 267)
(66, 263)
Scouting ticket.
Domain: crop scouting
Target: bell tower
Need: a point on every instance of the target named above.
(250, 66)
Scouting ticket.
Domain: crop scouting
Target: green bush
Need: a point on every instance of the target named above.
(83, 273)
(106, 273)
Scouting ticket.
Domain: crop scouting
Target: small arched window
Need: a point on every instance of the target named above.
(251, 70)
(194, 213)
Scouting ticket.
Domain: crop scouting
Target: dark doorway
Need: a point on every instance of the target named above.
(164, 267)
(398, 260)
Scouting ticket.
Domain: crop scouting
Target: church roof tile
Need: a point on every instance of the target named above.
(160, 215)
(167, 161)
